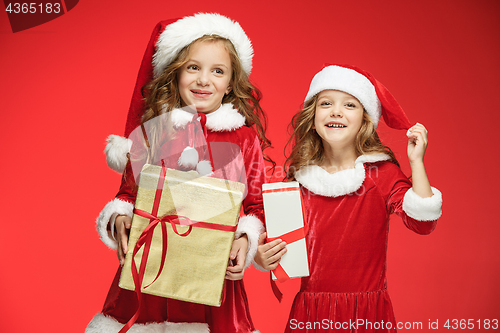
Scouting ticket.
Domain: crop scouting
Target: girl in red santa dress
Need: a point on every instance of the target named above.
(351, 183)
(200, 63)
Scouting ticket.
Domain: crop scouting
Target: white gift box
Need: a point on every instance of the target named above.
(283, 211)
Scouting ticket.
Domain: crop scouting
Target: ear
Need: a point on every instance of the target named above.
(228, 89)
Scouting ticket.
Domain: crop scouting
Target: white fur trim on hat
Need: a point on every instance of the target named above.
(105, 324)
(116, 151)
(423, 209)
(351, 82)
(183, 32)
(319, 181)
(110, 211)
(252, 227)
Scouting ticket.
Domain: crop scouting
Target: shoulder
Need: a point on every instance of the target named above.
(387, 177)
(246, 137)
(383, 169)
(383, 166)
(246, 131)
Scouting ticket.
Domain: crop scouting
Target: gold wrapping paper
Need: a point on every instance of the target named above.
(195, 265)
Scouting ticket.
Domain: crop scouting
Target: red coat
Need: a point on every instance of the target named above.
(348, 215)
(237, 156)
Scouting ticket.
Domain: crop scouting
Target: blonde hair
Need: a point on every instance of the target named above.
(307, 146)
(162, 94)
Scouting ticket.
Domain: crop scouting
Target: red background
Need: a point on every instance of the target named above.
(66, 85)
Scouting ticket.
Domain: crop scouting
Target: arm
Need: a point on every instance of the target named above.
(115, 219)
(417, 145)
(418, 204)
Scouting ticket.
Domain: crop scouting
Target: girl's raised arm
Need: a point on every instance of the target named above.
(417, 145)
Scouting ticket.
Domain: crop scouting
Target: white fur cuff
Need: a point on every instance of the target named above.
(116, 152)
(423, 209)
(112, 208)
(104, 324)
(252, 227)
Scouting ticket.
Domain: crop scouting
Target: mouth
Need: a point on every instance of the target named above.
(335, 125)
(201, 93)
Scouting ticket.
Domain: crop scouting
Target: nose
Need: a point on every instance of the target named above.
(336, 111)
(202, 78)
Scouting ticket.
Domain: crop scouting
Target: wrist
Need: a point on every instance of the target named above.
(418, 163)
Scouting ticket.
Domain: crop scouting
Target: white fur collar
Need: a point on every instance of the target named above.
(225, 118)
(343, 182)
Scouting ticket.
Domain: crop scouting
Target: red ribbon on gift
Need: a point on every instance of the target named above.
(147, 237)
(289, 238)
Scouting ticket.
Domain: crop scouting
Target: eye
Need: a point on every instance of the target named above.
(192, 67)
(350, 105)
(218, 71)
(325, 103)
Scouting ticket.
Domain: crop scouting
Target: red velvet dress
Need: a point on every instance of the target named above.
(348, 214)
(237, 156)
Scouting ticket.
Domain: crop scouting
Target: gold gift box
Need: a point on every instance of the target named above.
(195, 265)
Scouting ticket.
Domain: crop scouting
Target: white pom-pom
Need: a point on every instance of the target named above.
(204, 168)
(189, 158)
(116, 152)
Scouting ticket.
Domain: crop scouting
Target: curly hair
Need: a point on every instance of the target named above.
(307, 146)
(162, 94)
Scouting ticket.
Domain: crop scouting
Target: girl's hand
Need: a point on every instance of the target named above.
(269, 255)
(417, 143)
(122, 225)
(237, 257)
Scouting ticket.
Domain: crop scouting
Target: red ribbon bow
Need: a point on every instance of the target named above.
(147, 237)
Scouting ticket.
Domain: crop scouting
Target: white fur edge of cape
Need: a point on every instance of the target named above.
(112, 208)
(319, 181)
(116, 152)
(105, 324)
(183, 32)
(226, 118)
(252, 227)
(423, 209)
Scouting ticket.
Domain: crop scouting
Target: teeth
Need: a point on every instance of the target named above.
(335, 125)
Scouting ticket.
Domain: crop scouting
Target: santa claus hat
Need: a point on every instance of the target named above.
(374, 96)
(167, 40)
(183, 32)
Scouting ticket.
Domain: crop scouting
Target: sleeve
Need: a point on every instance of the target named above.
(252, 223)
(418, 214)
(123, 204)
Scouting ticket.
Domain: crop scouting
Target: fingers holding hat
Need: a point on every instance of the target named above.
(417, 142)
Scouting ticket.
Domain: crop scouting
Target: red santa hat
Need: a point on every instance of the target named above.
(167, 40)
(374, 96)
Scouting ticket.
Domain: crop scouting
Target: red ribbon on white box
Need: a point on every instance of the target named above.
(289, 238)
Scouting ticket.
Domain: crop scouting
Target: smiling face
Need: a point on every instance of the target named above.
(338, 118)
(206, 76)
